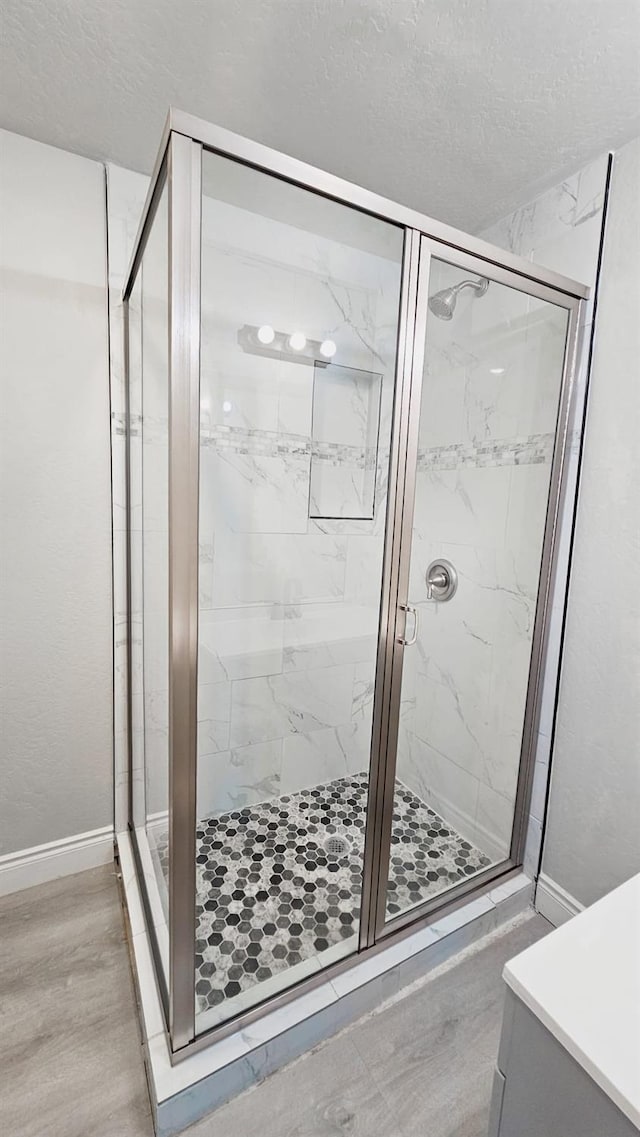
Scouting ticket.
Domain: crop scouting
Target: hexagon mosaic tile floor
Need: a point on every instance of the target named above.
(279, 883)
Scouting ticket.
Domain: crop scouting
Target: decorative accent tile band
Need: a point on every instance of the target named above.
(264, 443)
(528, 450)
(531, 450)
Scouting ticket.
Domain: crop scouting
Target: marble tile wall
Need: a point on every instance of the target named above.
(289, 588)
(486, 443)
(288, 602)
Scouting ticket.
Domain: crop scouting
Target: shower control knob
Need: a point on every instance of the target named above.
(441, 580)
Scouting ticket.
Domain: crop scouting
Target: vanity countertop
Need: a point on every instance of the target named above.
(582, 981)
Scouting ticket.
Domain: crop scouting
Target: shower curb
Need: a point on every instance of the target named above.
(183, 1093)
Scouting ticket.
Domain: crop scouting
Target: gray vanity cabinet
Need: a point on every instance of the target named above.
(540, 1090)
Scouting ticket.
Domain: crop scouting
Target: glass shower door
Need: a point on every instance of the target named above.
(345, 446)
(299, 322)
(484, 435)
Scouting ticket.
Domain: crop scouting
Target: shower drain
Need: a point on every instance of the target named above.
(336, 846)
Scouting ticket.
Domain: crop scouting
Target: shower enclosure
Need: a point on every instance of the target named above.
(346, 435)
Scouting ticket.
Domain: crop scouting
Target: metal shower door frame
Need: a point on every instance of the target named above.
(389, 690)
(180, 159)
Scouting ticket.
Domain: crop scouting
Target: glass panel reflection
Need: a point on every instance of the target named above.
(292, 512)
(492, 378)
(149, 537)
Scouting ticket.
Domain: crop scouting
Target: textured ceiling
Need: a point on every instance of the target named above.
(460, 108)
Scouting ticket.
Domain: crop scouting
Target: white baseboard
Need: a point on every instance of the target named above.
(47, 862)
(552, 902)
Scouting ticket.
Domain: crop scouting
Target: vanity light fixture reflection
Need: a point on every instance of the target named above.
(294, 347)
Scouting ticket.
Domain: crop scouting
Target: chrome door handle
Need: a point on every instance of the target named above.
(416, 625)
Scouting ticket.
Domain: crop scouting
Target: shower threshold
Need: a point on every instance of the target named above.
(279, 885)
(211, 1073)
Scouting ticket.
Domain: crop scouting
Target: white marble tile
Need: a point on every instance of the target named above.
(240, 643)
(458, 723)
(205, 574)
(355, 740)
(295, 702)
(261, 494)
(363, 690)
(170, 1080)
(295, 385)
(214, 717)
(308, 759)
(244, 776)
(448, 788)
(328, 634)
(494, 820)
(340, 491)
(466, 506)
(345, 401)
(462, 916)
(504, 891)
(286, 1017)
(382, 962)
(237, 389)
(261, 568)
(532, 847)
(363, 570)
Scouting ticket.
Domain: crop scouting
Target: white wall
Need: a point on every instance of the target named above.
(55, 584)
(592, 839)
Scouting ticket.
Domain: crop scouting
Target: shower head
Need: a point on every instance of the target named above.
(443, 303)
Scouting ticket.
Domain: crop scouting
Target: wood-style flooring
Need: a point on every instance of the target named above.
(71, 1058)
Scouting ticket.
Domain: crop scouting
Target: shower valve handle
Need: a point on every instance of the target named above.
(441, 580)
(437, 580)
(416, 625)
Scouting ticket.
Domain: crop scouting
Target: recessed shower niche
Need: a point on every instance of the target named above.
(345, 426)
(322, 751)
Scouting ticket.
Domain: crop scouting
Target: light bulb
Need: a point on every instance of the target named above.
(298, 341)
(266, 334)
(226, 406)
(497, 370)
(328, 349)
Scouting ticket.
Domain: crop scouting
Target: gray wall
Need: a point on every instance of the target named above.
(56, 772)
(592, 840)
